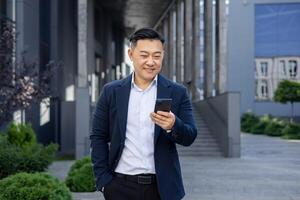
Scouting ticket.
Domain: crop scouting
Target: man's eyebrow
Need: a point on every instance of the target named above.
(144, 52)
(148, 52)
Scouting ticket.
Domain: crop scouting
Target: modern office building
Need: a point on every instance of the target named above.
(229, 54)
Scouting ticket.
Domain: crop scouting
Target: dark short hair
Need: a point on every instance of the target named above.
(145, 33)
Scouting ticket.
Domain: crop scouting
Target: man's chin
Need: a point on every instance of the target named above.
(149, 77)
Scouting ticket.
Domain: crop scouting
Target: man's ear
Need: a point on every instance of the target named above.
(130, 51)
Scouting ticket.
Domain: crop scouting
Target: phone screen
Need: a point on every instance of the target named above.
(163, 105)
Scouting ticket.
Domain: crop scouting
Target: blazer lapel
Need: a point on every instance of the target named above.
(164, 90)
(122, 99)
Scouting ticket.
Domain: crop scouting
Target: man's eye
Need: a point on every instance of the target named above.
(157, 57)
(143, 56)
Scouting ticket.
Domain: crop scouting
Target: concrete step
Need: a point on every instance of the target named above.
(200, 154)
(205, 141)
(210, 144)
(202, 129)
(205, 134)
(205, 144)
(199, 148)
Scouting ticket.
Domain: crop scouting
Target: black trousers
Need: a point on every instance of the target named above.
(122, 189)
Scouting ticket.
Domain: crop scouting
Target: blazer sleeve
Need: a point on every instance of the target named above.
(184, 131)
(99, 137)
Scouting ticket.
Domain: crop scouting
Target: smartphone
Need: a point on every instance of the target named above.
(163, 105)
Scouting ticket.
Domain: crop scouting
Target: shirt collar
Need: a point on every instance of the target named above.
(154, 82)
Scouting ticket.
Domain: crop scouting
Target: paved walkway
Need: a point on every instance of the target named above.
(269, 169)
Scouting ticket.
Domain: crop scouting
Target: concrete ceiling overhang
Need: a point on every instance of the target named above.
(135, 14)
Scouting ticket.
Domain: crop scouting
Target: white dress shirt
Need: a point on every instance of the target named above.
(138, 153)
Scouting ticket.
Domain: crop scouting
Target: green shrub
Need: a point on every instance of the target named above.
(275, 127)
(80, 177)
(291, 131)
(269, 126)
(37, 158)
(248, 120)
(8, 157)
(259, 128)
(14, 159)
(37, 186)
(21, 135)
(79, 163)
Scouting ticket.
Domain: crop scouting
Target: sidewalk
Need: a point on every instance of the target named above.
(269, 169)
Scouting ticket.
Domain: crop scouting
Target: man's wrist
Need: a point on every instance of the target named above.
(169, 130)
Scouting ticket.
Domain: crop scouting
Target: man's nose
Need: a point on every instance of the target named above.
(150, 61)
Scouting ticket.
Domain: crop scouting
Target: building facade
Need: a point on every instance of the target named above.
(212, 47)
(263, 48)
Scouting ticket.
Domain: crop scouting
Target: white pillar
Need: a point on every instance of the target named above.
(208, 45)
(85, 39)
(221, 47)
(179, 41)
(196, 50)
(188, 40)
(171, 50)
(165, 67)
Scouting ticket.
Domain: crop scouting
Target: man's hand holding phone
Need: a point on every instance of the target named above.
(163, 116)
(163, 119)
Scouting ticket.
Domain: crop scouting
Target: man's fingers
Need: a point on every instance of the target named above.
(162, 121)
(156, 117)
(159, 119)
(165, 114)
(161, 124)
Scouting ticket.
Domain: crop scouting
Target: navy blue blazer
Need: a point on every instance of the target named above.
(109, 128)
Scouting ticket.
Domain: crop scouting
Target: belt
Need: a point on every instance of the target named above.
(144, 179)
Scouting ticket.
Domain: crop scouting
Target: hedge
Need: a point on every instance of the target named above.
(28, 158)
(80, 177)
(37, 186)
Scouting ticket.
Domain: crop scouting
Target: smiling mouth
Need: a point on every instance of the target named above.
(149, 70)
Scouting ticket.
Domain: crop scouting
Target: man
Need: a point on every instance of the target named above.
(133, 149)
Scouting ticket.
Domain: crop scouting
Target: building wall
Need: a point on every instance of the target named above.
(241, 58)
(65, 52)
(48, 31)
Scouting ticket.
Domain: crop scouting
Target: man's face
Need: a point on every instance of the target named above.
(147, 58)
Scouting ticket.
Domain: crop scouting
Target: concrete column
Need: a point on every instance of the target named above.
(85, 13)
(27, 18)
(179, 40)
(221, 47)
(108, 57)
(196, 50)
(55, 82)
(188, 40)
(54, 51)
(26, 14)
(208, 57)
(165, 67)
(82, 43)
(171, 50)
